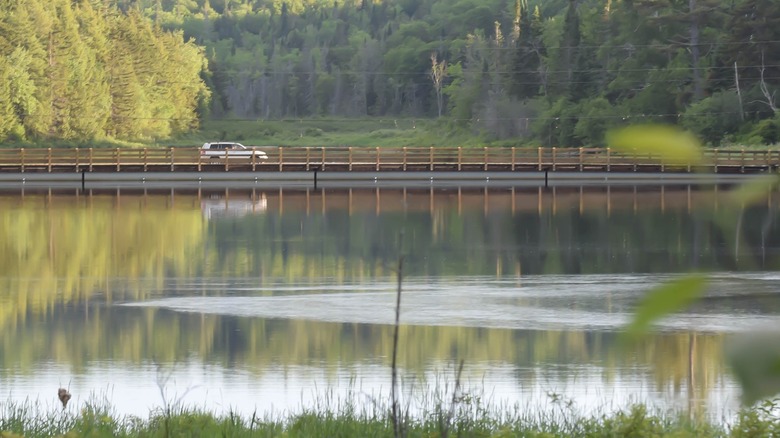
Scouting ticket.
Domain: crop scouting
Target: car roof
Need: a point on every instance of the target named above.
(223, 143)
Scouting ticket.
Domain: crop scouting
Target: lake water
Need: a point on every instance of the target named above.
(269, 301)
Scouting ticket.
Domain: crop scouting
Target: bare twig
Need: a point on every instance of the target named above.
(394, 368)
(454, 403)
(770, 97)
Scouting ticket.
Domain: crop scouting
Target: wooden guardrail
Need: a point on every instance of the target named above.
(376, 159)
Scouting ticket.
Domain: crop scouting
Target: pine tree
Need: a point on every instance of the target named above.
(527, 74)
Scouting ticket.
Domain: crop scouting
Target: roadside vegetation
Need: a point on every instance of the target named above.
(462, 416)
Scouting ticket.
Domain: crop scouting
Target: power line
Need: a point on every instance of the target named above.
(502, 72)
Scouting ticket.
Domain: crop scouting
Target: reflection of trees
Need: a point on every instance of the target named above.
(136, 335)
(305, 235)
(57, 251)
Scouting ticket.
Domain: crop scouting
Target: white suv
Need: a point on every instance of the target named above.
(229, 149)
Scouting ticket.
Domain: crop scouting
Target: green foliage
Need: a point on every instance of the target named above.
(765, 131)
(596, 118)
(555, 127)
(755, 361)
(666, 299)
(664, 143)
(714, 117)
(150, 70)
(755, 190)
(81, 73)
(467, 418)
(759, 422)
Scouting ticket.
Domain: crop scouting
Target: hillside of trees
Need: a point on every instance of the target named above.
(554, 72)
(83, 70)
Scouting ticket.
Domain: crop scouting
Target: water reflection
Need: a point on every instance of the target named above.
(282, 290)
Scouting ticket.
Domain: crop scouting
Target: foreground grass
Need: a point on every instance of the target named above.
(465, 419)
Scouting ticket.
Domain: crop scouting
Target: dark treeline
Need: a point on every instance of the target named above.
(557, 72)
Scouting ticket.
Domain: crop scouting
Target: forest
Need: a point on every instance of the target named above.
(549, 73)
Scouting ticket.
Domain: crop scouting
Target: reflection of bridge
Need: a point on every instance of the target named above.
(233, 202)
(376, 159)
(218, 205)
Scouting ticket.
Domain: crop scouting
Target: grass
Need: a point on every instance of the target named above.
(387, 132)
(436, 414)
(317, 132)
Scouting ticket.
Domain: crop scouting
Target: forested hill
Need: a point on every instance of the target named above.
(82, 70)
(553, 72)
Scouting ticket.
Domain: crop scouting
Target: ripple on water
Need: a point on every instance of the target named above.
(587, 302)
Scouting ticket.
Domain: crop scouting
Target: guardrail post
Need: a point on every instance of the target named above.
(227, 160)
(308, 157)
(404, 157)
(48, 160)
(118, 161)
(377, 158)
(634, 158)
(322, 165)
(146, 159)
(200, 158)
(742, 161)
(513, 160)
(77, 159)
(349, 149)
(608, 159)
(173, 157)
(254, 160)
(716, 161)
(539, 153)
(485, 157)
(91, 159)
(21, 159)
(281, 158)
(554, 149)
(460, 158)
(431, 158)
(581, 158)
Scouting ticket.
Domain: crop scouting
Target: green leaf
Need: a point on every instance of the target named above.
(755, 362)
(662, 301)
(754, 190)
(667, 144)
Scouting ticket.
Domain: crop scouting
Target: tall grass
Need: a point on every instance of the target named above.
(472, 416)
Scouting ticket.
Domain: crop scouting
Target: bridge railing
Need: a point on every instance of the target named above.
(374, 159)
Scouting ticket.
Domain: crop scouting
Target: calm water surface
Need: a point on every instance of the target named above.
(274, 300)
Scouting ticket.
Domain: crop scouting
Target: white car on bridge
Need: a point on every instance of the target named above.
(228, 149)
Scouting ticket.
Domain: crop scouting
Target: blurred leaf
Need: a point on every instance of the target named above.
(754, 190)
(662, 301)
(755, 362)
(667, 144)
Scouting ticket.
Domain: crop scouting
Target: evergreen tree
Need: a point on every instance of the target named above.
(528, 73)
(568, 52)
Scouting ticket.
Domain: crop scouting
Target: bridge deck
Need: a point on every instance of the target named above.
(369, 159)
